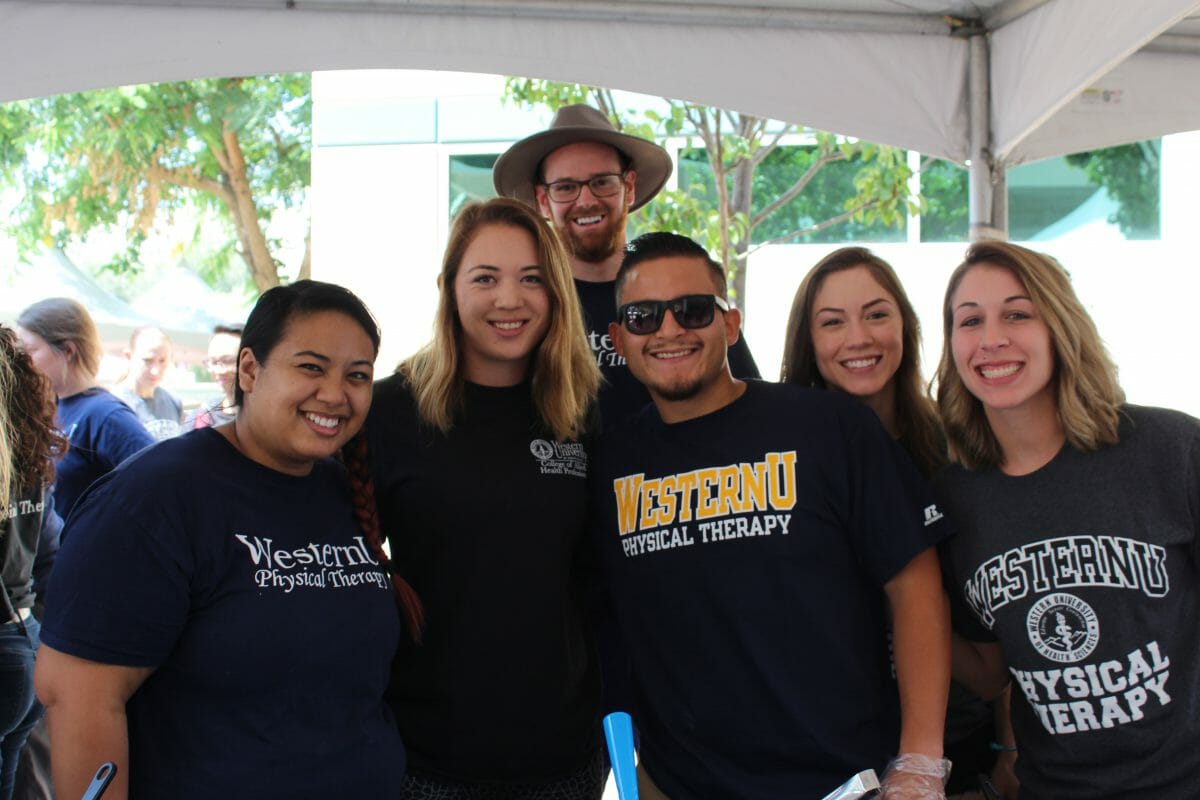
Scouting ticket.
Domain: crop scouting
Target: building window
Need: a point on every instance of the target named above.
(1116, 189)
(470, 179)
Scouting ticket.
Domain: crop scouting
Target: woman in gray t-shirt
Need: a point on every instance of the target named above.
(1078, 518)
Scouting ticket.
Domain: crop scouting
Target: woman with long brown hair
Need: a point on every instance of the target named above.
(853, 329)
(478, 466)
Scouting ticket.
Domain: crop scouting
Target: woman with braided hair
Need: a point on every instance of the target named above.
(479, 469)
(29, 443)
(232, 636)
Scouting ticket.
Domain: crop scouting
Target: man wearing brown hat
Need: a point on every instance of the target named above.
(586, 176)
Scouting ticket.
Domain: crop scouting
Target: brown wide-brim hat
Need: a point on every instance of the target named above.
(516, 170)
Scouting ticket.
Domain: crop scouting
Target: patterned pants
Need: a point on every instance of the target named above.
(586, 784)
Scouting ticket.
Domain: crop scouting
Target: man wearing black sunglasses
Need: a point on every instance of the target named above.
(754, 537)
(586, 177)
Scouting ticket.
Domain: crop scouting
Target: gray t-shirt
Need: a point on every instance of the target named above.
(160, 413)
(1086, 573)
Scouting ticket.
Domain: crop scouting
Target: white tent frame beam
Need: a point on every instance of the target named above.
(626, 11)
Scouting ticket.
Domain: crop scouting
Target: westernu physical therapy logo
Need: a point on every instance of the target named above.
(1064, 563)
(560, 458)
(313, 566)
(1076, 695)
(714, 504)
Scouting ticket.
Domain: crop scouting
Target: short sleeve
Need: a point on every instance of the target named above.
(894, 518)
(962, 619)
(119, 593)
(121, 435)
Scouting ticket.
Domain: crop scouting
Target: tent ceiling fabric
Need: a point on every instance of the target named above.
(884, 70)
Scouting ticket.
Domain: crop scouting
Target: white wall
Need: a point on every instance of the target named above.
(376, 231)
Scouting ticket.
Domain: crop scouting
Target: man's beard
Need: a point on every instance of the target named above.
(600, 244)
(677, 392)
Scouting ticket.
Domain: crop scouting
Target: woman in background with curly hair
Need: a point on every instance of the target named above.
(29, 443)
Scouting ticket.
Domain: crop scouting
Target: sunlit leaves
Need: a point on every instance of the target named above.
(128, 155)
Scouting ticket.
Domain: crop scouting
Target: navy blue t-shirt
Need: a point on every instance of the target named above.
(102, 432)
(746, 553)
(271, 625)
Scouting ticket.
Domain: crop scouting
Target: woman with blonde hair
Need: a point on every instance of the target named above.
(29, 528)
(1080, 517)
(478, 465)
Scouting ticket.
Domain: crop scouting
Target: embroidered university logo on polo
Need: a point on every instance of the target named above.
(932, 515)
(560, 458)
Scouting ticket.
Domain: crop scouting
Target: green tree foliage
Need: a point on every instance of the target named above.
(733, 209)
(1130, 175)
(944, 193)
(234, 148)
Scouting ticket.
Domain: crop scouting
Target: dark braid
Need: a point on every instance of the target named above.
(358, 464)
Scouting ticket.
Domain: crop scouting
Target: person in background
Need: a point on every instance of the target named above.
(852, 329)
(29, 532)
(754, 537)
(61, 339)
(587, 177)
(149, 355)
(476, 457)
(1078, 553)
(232, 637)
(221, 363)
(64, 345)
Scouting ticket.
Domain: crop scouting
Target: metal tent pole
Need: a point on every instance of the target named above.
(988, 196)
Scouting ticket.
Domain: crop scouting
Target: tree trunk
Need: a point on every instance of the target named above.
(254, 249)
(743, 195)
(306, 262)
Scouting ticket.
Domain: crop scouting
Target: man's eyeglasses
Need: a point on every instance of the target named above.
(605, 185)
(690, 311)
(220, 364)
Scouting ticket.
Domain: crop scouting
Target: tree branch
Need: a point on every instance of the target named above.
(820, 226)
(796, 188)
(770, 147)
(188, 179)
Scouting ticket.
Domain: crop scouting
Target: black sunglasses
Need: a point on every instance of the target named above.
(690, 311)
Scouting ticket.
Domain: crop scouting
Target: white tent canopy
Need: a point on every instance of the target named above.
(993, 83)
